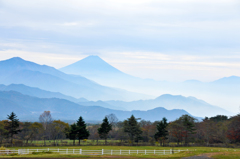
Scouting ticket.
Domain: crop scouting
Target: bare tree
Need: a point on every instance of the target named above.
(93, 130)
(112, 118)
(46, 120)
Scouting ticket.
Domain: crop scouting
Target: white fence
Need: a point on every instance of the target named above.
(8, 151)
(93, 152)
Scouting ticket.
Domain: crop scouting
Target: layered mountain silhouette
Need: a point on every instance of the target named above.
(223, 92)
(36, 92)
(29, 108)
(192, 105)
(47, 87)
(19, 71)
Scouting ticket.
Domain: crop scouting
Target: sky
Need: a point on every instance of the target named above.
(172, 40)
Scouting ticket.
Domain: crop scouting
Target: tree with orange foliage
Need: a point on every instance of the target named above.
(182, 128)
(233, 133)
(3, 131)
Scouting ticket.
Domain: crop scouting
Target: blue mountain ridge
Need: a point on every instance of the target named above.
(193, 105)
(19, 71)
(223, 92)
(29, 108)
(71, 87)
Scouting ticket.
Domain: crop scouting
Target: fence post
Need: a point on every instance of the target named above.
(154, 152)
(102, 151)
(137, 151)
(129, 152)
(170, 151)
(73, 151)
(80, 151)
(120, 152)
(164, 152)
(28, 151)
(145, 152)
(37, 150)
(111, 152)
(66, 151)
(178, 150)
(48, 149)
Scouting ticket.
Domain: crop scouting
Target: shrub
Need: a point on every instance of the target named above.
(43, 152)
(13, 154)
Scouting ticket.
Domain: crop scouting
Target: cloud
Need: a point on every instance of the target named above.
(56, 60)
(169, 36)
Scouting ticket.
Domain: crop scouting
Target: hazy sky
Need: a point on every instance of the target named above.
(171, 40)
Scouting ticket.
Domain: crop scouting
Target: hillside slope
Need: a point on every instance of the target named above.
(19, 71)
(29, 108)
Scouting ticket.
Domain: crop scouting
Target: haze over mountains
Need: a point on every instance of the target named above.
(29, 108)
(19, 71)
(28, 89)
(192, 105)
(224, 92)
(36, 92)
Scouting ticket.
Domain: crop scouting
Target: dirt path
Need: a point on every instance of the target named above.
(203, 156)
(198, 157)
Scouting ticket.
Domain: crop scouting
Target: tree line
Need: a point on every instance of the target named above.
(182, 131)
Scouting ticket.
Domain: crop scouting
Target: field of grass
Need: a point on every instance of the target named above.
(88, 142)
(70, 142)
(218, 153)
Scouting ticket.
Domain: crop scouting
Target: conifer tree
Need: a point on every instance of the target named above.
(188, 123)
(104, 129)
(13, 126)
(73, 132)
(82, 132)
(161, 134)
(133, 129)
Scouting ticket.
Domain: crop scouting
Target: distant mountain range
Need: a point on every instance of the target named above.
(36, 92)
(19, 71)
(35, 88)
(192, 105)
(224, 92)
(29, 108)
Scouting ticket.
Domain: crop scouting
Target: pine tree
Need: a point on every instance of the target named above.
(188, 123)
(104, 129)
(133, 129)
(73, 133)
(161, 134)
(82, 132)
(13, 126)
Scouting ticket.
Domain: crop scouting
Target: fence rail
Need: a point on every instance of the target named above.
(92, 152)
(8, 151)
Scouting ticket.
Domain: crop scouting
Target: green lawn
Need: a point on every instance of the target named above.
(67, 142)
(227, 155)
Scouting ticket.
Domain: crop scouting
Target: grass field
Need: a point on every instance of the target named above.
(70, 142)
(218, 153)
(88, 142)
